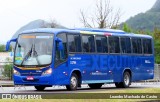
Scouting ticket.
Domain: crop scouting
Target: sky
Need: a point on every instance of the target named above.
(16, 13)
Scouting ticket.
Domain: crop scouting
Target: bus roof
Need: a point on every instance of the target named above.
(101, 30)
(107, 32)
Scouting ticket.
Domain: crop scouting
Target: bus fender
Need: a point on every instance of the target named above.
(73, 71)
(129, 72)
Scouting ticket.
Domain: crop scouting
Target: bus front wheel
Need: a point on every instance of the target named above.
(126, 81)
(73, 83)
(39, 88)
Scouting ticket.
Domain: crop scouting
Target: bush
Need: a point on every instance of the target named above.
(8, 71)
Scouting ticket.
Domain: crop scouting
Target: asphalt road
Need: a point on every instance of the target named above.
(84, 88)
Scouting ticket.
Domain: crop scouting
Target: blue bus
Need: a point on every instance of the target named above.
(45, 57)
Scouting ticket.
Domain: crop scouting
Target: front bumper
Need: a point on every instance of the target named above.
(38, 80)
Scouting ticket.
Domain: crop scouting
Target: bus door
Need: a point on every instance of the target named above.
(60, 60)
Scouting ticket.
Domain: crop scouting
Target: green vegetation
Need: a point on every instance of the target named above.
(126, 28)
(129, 90)
(3, 48)
(7, 72)
(146, 21)
(156, 35)
(8, 69)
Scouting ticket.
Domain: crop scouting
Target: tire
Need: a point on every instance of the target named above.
(95, 86)
(73, 83)
(118, 85)
(39, 88)
(126, 81)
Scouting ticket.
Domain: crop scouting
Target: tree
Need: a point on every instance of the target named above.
(52, 23)
(126, 28)
(2, 48)
(102, 17)
(7, 72)
(157, 51)
(8, 69)
(156, 36)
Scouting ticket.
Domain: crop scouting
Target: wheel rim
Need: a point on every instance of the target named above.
(73, 82)
(126, 79)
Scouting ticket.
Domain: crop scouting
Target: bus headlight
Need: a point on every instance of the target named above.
(16, 72)
(47, 72)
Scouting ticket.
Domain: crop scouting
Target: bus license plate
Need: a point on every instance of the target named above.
(30, 78)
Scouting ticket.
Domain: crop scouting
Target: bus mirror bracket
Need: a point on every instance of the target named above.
(8, 43)
(60, 44)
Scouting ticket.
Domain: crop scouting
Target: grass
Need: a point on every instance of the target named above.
(129, 90)
(141, 90)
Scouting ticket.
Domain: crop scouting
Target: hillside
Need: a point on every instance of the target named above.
(34, 25)
(146, 21)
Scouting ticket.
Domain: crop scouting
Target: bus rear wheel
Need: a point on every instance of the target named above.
(126, 81)
(95, 86)
(73, 83)
(39, 88)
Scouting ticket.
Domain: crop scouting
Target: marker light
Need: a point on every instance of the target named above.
(16, 72)
(107, 34)
(47, 72)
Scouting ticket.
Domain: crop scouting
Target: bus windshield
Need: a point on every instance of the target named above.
(34, 49)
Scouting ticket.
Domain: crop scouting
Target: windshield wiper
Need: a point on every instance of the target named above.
(28, 54)
(32, 52)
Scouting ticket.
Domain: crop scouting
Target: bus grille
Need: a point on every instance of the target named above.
(31, 74)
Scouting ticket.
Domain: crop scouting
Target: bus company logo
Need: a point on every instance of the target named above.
(6, 96)
(30, 73)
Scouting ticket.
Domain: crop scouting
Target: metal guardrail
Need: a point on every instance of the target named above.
(157, 72)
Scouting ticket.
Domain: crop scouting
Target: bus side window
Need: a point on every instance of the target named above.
(61, 56)
(139, 41)
(99, 44)
(125, 45)
(104, 42)
(77, 39)
(102, 45)
(114, 44)
(134, 45)
(74, 43)
(147, 46)
(88, 43)
(137, 45)
(71, 43)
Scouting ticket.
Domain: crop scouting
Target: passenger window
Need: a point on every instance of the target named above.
(147, 46)
(88, 43)
(125, 45)
(114, 44)
(137, 45)
(102, 45)
(61, 56)
(74, 43)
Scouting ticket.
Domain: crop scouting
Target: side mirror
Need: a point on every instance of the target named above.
(8, 43)
(60, 44)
